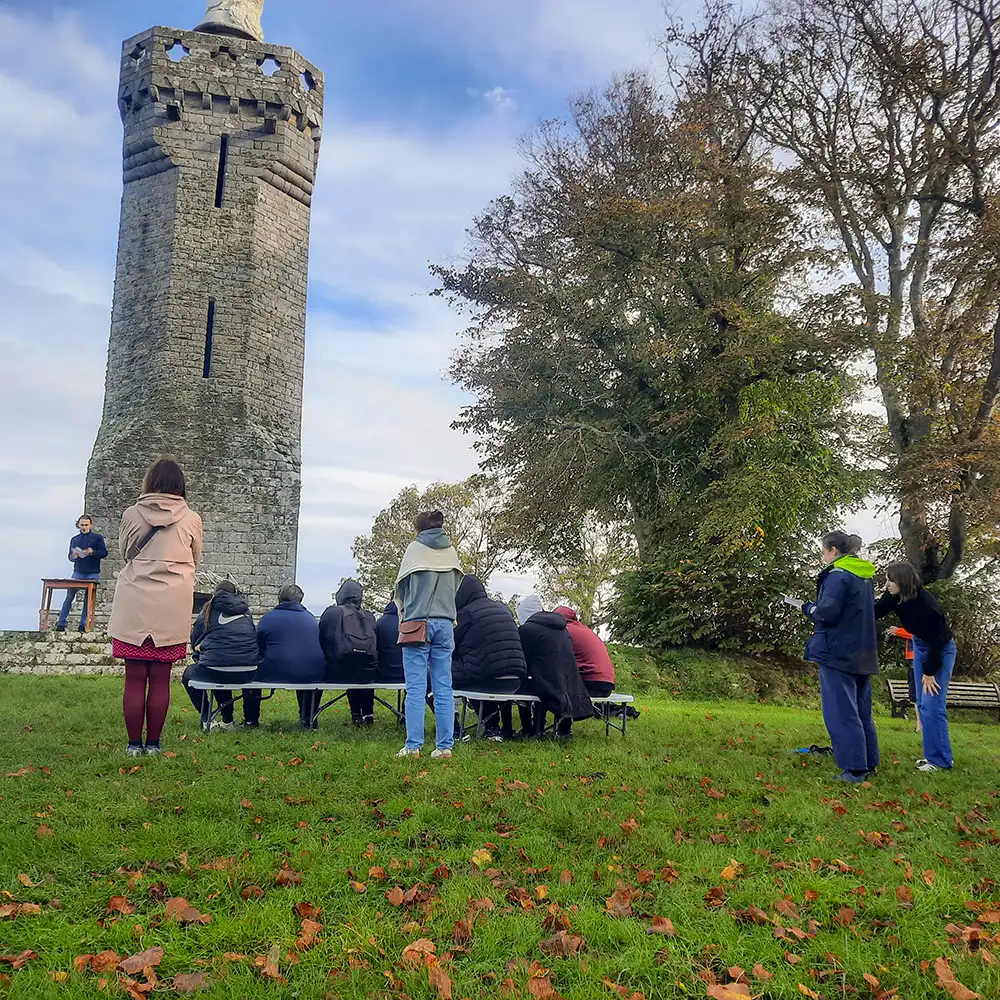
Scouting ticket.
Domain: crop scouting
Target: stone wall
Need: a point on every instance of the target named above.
(207, 344)
(58, 653)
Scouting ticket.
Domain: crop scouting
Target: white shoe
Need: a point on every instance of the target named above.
(441, 755)
(133, 750)
(407, 752)
(219, 724)
(927, 766)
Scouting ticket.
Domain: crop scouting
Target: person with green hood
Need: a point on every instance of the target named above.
(845, 646)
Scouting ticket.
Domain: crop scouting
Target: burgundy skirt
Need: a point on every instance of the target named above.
(147, 651)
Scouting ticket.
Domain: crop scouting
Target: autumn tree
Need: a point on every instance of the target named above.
(582, 570)
(473, 518)
(884, 114)
(640, 348)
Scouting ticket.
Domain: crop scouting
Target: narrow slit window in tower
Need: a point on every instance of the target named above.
(209, 333)
(220, 184)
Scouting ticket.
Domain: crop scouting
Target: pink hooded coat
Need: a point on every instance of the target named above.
(155, 590)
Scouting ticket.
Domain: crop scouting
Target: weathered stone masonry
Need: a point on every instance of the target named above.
(207, 344)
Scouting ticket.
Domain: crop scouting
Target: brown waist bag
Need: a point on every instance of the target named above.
(415, 633)
(412, 633)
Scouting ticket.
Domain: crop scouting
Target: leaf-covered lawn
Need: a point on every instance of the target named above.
(696, 858)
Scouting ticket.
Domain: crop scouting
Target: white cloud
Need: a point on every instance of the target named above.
(560, 44)
(500, 99)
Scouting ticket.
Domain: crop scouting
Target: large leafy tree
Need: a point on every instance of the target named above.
(885, 114)
(638, 348)
(472, 518)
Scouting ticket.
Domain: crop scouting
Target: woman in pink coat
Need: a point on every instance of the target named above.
(160, 540)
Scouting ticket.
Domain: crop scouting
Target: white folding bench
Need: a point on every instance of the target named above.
(613, 709)
(208, 713)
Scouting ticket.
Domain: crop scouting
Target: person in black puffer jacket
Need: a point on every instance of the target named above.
(488, 654)
(224, 647)
(552, 670)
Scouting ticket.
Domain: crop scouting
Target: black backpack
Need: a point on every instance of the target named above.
(355, 640)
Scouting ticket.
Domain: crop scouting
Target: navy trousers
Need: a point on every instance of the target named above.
(847, 712)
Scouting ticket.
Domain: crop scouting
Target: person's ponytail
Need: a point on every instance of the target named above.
(224, 586)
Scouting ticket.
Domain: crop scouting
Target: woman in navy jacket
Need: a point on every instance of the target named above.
(845, 646)
(290, 653)
(224, 648)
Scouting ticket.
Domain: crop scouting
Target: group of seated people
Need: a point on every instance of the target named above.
(551, 655)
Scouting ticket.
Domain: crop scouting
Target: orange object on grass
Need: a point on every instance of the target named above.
(900, 633)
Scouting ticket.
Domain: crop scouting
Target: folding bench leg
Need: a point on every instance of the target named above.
(461, 720)
(206, 711)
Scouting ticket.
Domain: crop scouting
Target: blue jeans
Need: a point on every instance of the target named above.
(434, 656)
(71, 596)
(847, 712)
(933, 708)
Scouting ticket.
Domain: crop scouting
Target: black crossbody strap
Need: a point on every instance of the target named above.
(143, 542)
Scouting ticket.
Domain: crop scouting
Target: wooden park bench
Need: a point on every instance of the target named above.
(961, 694)
(50, 586)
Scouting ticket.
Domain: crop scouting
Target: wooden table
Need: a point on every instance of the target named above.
(50, 586)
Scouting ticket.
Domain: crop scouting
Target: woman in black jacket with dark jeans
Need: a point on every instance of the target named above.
(934, 654)
(552, 671)
(488, 654)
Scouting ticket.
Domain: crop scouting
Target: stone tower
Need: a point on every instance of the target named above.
(205, 362)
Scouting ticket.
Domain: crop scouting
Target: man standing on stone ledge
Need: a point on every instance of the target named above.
(86, 550)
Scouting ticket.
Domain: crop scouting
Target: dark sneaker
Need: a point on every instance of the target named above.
(133, 750)
(152, 749)
(368, 720)
(247, 724)
(853, 779)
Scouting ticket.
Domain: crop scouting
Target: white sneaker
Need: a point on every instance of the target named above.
(219, 724)
(407, 752)
(927, 766)
(441, 755)
(134, 750)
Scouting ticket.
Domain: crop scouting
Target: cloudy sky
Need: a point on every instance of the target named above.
(425, 102)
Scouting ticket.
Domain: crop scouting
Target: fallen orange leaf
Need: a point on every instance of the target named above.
(190, 982)
(147, 959)
(662, 925)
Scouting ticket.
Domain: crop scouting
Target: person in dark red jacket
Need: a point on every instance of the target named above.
(592, 656)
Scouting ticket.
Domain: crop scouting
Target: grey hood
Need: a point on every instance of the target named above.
(434, 538)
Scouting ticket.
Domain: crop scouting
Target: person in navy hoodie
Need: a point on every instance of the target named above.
(845, 646)
(86, 550)
(224, 647)
(290, 653)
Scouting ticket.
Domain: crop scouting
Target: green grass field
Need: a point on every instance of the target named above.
(443, 880)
